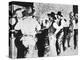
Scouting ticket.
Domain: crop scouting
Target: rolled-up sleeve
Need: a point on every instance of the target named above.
(57, 27)
(37, 25)
(18, 26)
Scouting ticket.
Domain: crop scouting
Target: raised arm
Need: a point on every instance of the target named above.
(58, 28)
(18, 26)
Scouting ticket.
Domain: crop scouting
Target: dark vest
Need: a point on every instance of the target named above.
(51, 29)
(59, 23)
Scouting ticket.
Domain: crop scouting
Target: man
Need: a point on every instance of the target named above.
(58, 25)
(43, 39)
(51, 31)
(70, 35)
(75, 27)
(21, 49)
(28, 28)
(66, 32)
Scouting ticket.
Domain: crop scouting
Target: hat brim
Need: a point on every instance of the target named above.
(52, 16)
(60, 15)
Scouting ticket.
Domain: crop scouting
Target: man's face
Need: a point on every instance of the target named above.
(59, 17)
(50, 18)
(29, 10)
(19, 14)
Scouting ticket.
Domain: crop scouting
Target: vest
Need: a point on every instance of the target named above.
(51, 29)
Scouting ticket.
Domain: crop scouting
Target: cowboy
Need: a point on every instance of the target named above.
(42, 37)
(66, 33)
(28, 28)
(20, 47)
(75, 28)
(51, 31)
(71, 16)
(58, 25)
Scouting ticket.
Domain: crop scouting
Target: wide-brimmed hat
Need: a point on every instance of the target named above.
(59, 13)
(52, 14)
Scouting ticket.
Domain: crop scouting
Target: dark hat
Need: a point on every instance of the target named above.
(59, 13)
(52, 14)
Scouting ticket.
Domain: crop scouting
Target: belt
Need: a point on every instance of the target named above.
(27, 35)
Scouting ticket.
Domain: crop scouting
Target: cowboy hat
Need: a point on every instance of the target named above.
(52, 14)
(59, 13)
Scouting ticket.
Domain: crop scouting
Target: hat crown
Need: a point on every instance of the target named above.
(52, 13)
(59, 13)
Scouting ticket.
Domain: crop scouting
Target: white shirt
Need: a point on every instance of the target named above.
(28, 25)
(65, 23)
(56, 25)
(58, 28)
(75, 25)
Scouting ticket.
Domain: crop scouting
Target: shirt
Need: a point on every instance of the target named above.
(28, 26)
(58, 28)
(65, 23)
(75, 25)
